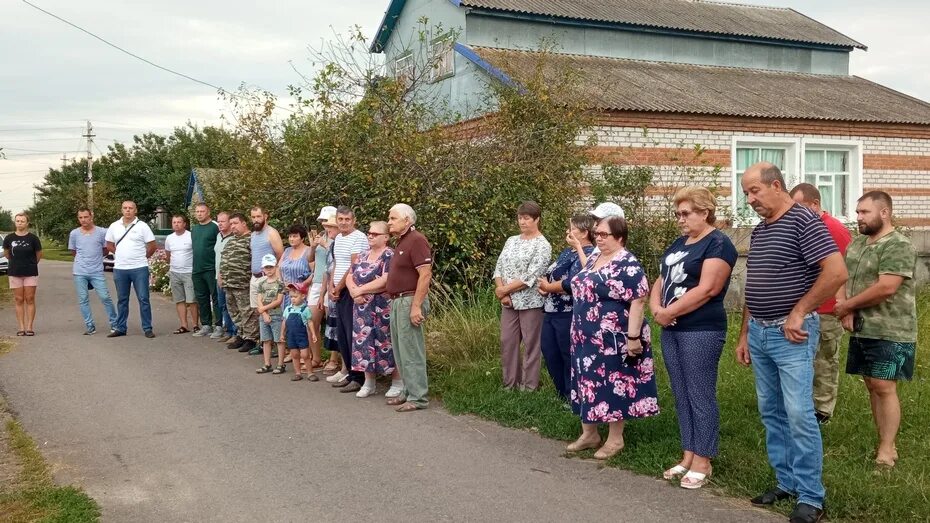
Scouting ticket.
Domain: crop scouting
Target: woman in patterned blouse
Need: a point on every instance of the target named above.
(556, 288)
(520, 265)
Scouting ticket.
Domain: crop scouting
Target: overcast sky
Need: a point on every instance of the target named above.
(53, 77)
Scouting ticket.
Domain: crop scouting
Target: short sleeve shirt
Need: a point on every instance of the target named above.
(88, 250)
(24, 250)
(302, 310)
(895, 319)
(682, 266)
(345, 246)
(131, 251)
(841, 236)
(204, 240)
(269, 290)
(412, 252)
(525, 260)
(181, 248)
(784, 262)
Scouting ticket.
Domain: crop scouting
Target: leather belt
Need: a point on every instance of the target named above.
(402, 294)
(777, 322)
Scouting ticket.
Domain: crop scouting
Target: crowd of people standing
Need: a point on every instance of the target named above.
(584, 314)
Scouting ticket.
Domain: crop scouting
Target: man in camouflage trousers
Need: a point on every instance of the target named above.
(235, 274)
(881, 313)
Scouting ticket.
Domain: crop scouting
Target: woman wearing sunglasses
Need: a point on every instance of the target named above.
(687, 301)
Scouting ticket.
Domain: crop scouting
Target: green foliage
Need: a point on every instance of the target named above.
(153, 171)
(6, 220)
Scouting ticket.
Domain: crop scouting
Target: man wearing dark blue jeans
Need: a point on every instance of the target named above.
(793, 267)
(131, 241)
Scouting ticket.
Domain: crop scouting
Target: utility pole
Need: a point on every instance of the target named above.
(90, 166)
(64, 160)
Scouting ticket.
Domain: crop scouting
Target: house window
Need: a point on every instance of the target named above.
(404, 69)
(750, 150)
(442, 64)
(834, 167)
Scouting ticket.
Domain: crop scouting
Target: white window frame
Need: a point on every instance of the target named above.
(854, 148)
(404, 68)
(793, 150)
(442, 58)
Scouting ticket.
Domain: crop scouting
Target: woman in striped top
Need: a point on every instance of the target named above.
(295, 264)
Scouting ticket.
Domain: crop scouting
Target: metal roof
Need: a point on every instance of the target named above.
(691, 16)
(633, 85)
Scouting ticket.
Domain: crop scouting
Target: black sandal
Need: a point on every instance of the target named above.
(20, 333)
(30, 333)
(280, 369)
(181, 330)
(263, 369)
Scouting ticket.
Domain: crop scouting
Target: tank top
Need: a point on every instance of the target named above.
(319, 272)
(294, 271)
(261, 246)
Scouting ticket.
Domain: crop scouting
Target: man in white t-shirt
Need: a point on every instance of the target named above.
(179, 249)
(131, 241)
(347, 245)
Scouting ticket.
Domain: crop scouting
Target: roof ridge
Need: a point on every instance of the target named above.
(740, 4)
(686, 64)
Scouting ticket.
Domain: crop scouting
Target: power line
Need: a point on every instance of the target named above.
(24, 130)
(137, 57)
(32, 150)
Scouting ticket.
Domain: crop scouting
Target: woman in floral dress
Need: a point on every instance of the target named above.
(372, 352)
(612, 365)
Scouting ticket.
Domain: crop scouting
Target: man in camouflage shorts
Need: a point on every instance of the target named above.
(235, 275)
(881, 313)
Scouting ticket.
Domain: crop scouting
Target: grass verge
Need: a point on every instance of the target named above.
(52, 250)
(466, 374)
(27, 490)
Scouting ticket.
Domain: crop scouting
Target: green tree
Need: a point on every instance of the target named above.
(6, 220)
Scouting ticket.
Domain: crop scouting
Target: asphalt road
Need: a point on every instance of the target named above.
(179, 429)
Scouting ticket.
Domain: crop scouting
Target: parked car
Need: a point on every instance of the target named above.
(4, 263)
(108, 260)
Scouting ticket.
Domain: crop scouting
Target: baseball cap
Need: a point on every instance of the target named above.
(325, 213)
(299, 287)
(269, 260)
(606, 209)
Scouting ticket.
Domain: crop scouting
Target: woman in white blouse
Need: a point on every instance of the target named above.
(521, 263)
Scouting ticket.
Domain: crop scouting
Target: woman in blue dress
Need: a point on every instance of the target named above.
(612, 365)
(556, 338)
(295, 268)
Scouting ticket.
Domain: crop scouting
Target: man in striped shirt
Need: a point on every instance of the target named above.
(793, 267)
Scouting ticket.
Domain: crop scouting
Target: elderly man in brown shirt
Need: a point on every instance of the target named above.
(408, 285)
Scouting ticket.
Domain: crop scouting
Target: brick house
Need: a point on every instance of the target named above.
(745, 82)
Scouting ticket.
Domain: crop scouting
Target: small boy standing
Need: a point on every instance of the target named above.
(296, 333)
(270, 296)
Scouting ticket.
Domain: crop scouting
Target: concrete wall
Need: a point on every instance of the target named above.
(513, 34)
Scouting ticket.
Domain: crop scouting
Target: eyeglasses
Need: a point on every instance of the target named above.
(603, 235)
(377, 233)
(683, 214)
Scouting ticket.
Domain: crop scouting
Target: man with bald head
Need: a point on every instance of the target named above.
(792, 268)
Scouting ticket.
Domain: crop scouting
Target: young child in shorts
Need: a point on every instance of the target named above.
(296, 331)
(270, 297)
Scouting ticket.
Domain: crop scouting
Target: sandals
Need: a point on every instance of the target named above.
(695, 480)
(263, 369)
(296, 377)
(407, 407)
(331, 368)
(674, 473)
(20, 333)
(312, 377)
(181, 330)
(607, 452)
(30, 333)
(575, 446)
(280, 369)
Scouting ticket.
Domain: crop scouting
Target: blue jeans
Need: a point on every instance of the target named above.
(124, 280)
(228, 324)
(784, 373)
(100, 285)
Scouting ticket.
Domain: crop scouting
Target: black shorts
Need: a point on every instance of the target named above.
(881, 359)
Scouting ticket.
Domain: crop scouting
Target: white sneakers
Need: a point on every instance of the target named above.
(337, 377)
(217, 332)
(202, 331)
(365, 391)
(396, 388)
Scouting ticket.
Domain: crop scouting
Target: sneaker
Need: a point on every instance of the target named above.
(225, 338)
(337, 377)
(394, 391)
(202, 331)
(115, 334)
(149, 334)
(822, 418)
(217, 333)
(364, 392)
(247, 346)
(235, 343)
(255, 352)
(90, 331)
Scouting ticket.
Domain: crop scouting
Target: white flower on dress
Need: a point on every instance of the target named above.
(675, 257)
(677, 273)
(679, 292)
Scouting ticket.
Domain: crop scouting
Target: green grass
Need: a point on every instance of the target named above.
(52, 250)
(5, 294)
(466, 374)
